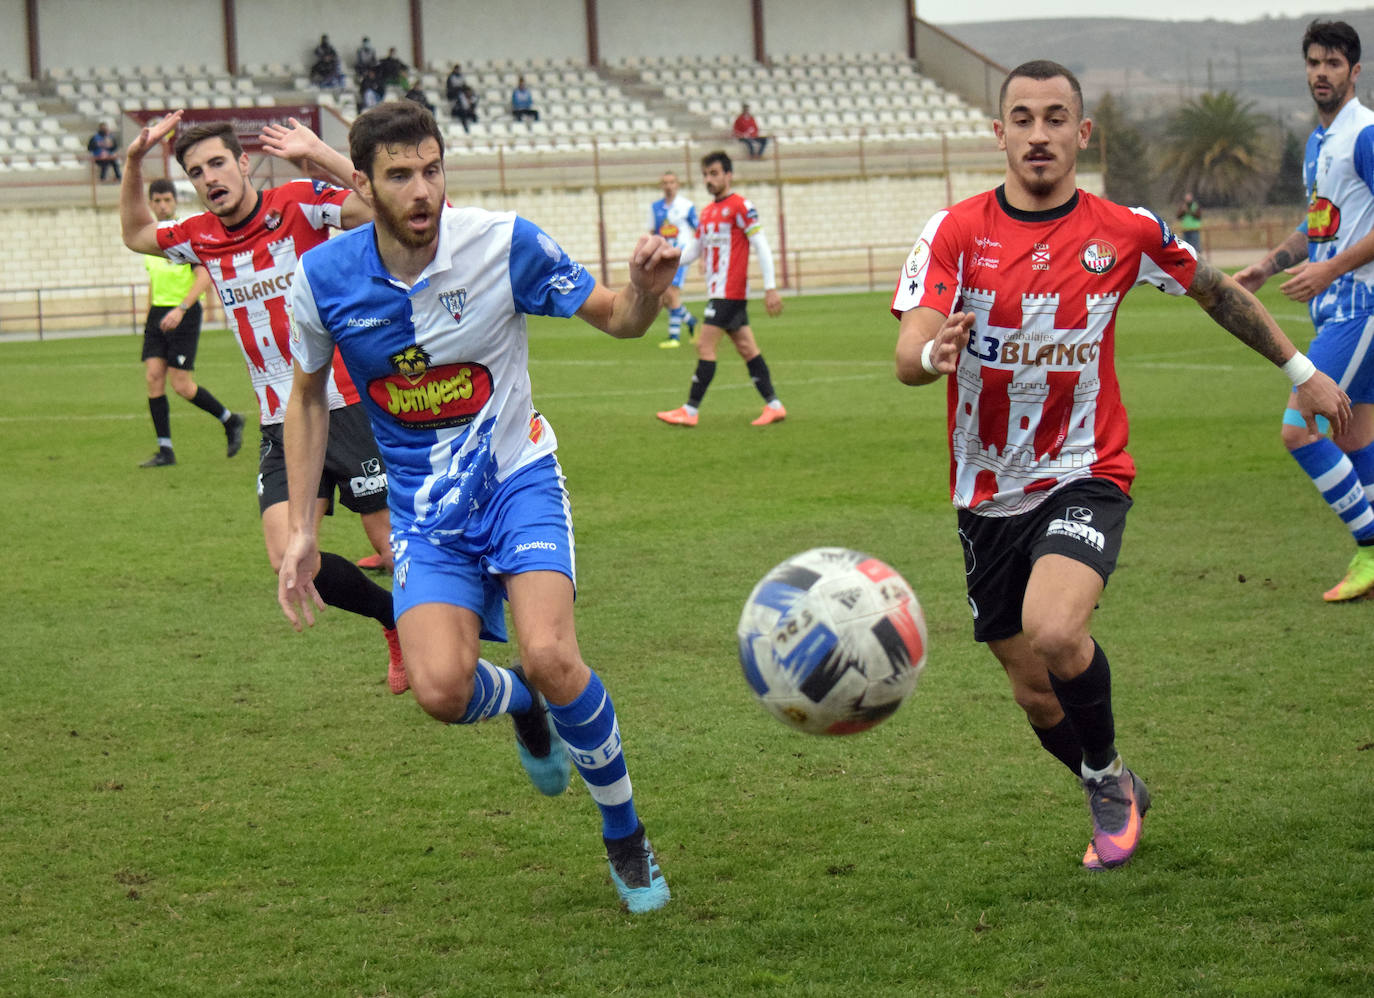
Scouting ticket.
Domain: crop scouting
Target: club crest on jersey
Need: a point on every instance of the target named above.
(272, 220)
(455, 302)
(1040, 256)
(1097, 256)
(1323, 220)
(920, 256)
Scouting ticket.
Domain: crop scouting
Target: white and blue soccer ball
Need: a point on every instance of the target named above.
(832, 641)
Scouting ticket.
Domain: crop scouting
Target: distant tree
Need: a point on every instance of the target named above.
(1214, 146)
(1288, 182)
(1125, 166)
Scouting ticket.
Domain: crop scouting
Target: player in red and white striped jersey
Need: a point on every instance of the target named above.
(729, 228)
(249, 240)
(1013, 295)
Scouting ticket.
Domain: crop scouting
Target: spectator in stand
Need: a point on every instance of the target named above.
(522, 102)
(370, 87)
(464, 108)
(455, 82)
(103, 149)
(365, 58)
(746, 129)
(393, 70)
(325, 70)
(418, 95)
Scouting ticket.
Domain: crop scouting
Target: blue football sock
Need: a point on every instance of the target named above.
(676, 317)
(495, 691)
(1336, 479)
(588, 727)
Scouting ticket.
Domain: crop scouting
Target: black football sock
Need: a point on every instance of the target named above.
(758, 373)
(204, 400)
(701, 380)
(1061, 741)
(341, 583)
(1087, 701)
(162, 419)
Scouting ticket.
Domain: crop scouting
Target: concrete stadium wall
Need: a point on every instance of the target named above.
(708, 28)
(80, 246)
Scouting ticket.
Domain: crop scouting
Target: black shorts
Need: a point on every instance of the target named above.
(1083, 521)
(730, 314)
(177, 348)
(352, 464)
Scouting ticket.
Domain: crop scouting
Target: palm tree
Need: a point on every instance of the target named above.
(1214, 146)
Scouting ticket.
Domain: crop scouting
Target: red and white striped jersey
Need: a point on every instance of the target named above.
(252, 265)
(1035, 402)
(723, 233)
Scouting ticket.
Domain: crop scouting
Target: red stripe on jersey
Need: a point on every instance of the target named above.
(994, 408)
(248, 339)
(1053, 429)
(345, 384)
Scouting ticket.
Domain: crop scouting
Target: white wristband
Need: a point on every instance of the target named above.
(926, 365)
(1299, 368)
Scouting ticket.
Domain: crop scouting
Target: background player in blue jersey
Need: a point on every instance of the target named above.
(674, 217)
(427, 310)
(1330, 260)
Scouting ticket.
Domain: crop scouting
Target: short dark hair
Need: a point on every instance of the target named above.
(720, 157)
(1040, 69)
(221, 130)
(1334, 36)
(391, 123)
(161, 186)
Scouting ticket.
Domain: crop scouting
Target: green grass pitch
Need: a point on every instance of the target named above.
(197, 801)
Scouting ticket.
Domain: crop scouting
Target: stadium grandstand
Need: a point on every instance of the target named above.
(867, 109)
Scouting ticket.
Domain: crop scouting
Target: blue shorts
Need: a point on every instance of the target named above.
(680, 276)
(1344, 351)
(525, 527)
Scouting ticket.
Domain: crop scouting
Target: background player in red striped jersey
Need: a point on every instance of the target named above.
(1013, 294)
(249, 241)
(728, 229)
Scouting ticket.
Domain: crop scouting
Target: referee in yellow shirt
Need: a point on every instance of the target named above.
(171, 335)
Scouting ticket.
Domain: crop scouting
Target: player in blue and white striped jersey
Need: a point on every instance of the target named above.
(427, 308)
(1330, 263)
(674, 217)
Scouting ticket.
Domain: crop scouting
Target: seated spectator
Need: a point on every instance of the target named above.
(371, 90)
(365, 57)
(522, 102)
(455, 82)
(103, 149)
(418, 96)
(325, 70)
(746, 129)
(393, 70)
(464, 109)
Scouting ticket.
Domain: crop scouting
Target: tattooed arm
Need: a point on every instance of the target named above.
(1239, 312)
(1289, 253)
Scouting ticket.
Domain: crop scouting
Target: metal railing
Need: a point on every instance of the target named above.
(82, 310)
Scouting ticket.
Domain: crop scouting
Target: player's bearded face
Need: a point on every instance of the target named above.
(407, 187)
(1041, 130)
(1330, 78)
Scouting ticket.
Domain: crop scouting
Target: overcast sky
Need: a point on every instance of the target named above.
(942, 12)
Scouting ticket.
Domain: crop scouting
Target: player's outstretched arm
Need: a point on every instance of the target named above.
(136, 222)
(627, 313)
(929, 344)
(305, 434)
(1240, 313)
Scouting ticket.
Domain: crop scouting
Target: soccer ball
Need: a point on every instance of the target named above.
(832, 641)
